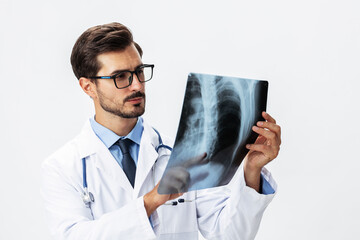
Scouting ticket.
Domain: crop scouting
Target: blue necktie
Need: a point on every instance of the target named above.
(127, 162)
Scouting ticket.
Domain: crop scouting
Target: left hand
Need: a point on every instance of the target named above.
(267, 145)
(263, 151)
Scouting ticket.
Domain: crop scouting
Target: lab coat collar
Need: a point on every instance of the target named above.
(89, 144)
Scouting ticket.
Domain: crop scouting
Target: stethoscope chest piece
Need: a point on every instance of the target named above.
(88, 197)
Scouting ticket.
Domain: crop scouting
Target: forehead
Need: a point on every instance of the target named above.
(127, 59)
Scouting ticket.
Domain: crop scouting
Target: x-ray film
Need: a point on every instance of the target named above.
(217, 118)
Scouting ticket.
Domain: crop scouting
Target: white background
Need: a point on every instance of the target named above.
(308, 50)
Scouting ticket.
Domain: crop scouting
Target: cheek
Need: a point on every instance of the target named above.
(110, 95)
(119, 96)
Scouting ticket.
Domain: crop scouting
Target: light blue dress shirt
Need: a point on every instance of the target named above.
(265, 186)
(109, 138)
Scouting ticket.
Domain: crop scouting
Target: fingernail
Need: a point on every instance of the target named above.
(247, 145)
(260, 123)
(255, 128)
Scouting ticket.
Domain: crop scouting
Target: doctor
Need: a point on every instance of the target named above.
(103, 183)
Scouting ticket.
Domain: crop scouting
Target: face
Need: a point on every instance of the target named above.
(127, 102)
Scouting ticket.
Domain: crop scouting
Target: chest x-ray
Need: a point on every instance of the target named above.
(215, 126)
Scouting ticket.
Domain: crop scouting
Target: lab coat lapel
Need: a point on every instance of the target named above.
(106, 163)
(91, 145)
(146, 160)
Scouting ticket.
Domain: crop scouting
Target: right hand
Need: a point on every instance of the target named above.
(176, 180)
(152, 200)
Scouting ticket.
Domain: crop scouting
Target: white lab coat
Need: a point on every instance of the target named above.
(230, 212)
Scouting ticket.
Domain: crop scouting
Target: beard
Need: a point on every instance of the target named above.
(121, 111)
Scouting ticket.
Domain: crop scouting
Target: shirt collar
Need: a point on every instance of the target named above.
(108, 137)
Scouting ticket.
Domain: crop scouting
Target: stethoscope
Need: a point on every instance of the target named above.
(88, 197)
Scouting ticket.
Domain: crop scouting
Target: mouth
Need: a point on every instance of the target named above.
(136, 100)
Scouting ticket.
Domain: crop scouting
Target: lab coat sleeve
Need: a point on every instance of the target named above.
(69, 218)
(233, 211)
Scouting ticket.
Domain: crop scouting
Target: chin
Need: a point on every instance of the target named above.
(137, 112)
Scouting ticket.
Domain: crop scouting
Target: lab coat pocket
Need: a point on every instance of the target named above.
(180, 217)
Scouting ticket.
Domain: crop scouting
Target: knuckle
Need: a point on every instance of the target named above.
(277, 128)
(265, 147)
(276, 151)
(272, 135)
(265, 124)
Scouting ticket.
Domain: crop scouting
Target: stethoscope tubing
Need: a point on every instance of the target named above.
(84, 172)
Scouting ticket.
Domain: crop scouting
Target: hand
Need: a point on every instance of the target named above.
(152, 200)
(175, 181)
(264, 150)
(177, 178)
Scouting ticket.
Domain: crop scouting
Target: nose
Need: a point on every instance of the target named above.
(136, 84)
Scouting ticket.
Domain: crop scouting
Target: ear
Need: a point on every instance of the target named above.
(88, 87)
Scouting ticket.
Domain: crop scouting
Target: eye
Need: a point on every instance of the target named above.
(140, 70)
(123, 76)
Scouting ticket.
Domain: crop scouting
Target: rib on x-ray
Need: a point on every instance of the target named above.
(217, 116)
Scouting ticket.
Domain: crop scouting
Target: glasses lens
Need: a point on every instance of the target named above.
(123, 79)
(144, 73)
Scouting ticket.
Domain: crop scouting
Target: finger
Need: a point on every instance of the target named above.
(176, 174)
(171, 186)
(271, 126)
(266, 133)
(258, 147)
(270, 152)
(260, 140)
(268, 117)
(180, 186)
(175, 195)
(181, 174)
(198, 160)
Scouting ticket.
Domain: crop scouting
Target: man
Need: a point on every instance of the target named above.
(103, 184)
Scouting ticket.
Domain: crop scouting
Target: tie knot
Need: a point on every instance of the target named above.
(124, 145)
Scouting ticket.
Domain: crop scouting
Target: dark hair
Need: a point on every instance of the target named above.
(95, 41)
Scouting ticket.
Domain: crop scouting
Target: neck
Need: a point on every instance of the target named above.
(120, 126)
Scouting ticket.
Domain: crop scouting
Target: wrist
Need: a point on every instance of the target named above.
(150, 203)
(252, 169)
(252, 177)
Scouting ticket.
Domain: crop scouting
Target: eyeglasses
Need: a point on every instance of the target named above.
(123, 79)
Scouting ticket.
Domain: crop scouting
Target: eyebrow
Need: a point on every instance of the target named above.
(119, 71)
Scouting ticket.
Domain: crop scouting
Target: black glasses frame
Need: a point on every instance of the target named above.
(132, 75)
